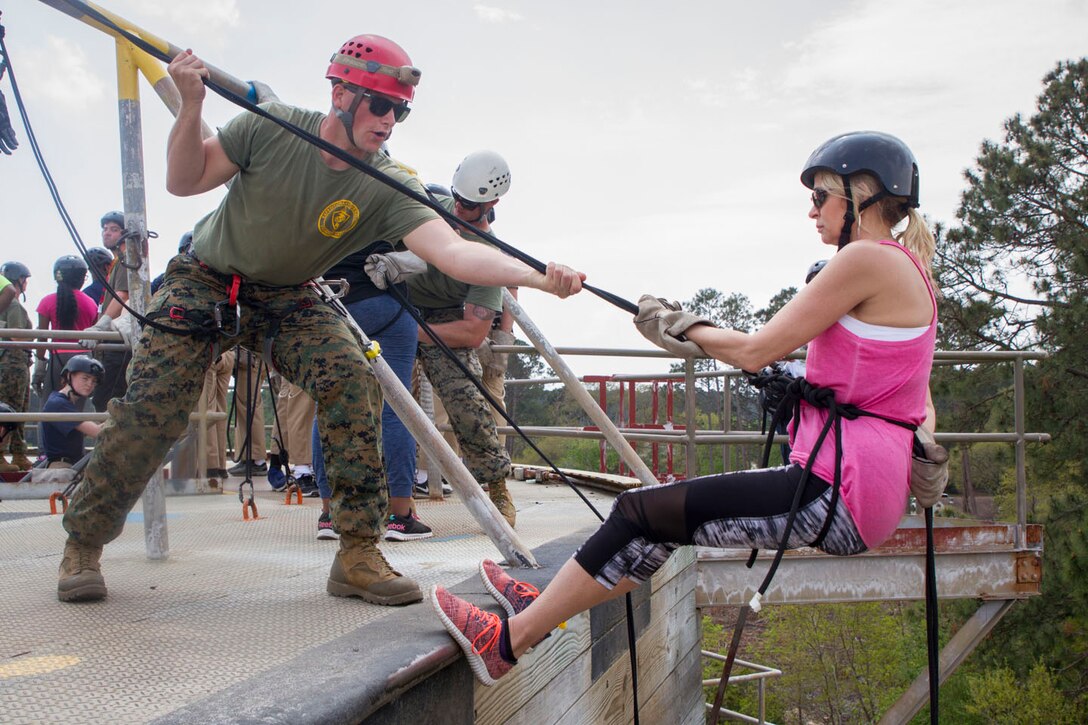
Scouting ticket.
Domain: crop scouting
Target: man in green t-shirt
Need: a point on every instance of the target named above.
(289, 214)
(461, 316)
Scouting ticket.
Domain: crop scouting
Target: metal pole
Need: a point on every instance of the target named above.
(156, 539)
(1021, 450)
(574, 387)
(691, 465)
(434, 470)
(426, 435)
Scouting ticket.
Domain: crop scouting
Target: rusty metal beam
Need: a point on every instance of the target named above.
(973, 562)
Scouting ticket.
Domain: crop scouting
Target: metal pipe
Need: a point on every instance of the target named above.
(25, 345)
(156, 537)
(21, 334)
(575, 388)
(1020, 449)
(409, 412)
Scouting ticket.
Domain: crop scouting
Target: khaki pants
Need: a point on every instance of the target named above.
(293, 429)
(251, 373)
(216, 384)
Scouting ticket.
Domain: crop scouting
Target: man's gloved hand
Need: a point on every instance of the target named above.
(264, 93)
(489, 359)
(663, 322)
(126, 325)
(393, 268)
(37, 380)
(104, 324)
(7, 133)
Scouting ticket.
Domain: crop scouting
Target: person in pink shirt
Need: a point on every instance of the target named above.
(869, 319)
(66, 309)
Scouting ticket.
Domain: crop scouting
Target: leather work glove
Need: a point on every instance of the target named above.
(663, 322)
(928, 469)
(263, 92)
(104, 324)
(7, 133)
(37, 379)
(126, 326)
(393, 268)
(489, 359)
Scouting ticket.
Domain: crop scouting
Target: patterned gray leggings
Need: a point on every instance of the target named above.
(737, 509)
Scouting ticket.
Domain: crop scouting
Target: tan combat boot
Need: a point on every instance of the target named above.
(20, 461)
(503, 501)
(360, 570)
(80, 574)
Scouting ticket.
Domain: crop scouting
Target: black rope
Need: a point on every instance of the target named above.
(932, 642)
(448, 352)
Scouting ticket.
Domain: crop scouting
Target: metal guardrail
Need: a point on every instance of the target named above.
(690, 436)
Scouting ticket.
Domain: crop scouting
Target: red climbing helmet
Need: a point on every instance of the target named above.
(375, 63)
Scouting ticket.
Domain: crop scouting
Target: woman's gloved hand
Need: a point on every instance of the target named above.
(663, 323)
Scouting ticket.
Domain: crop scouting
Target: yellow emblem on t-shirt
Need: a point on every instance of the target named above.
(338, 218)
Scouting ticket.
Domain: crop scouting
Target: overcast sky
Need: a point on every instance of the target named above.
(655, 146)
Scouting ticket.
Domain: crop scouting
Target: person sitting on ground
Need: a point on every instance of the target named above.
(62, 441)
(870, 320)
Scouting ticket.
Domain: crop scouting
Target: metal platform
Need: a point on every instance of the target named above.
(234, 600)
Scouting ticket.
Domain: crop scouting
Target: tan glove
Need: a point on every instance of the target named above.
(393, 268)
(663, 323)
(929, 469)
(489, 359)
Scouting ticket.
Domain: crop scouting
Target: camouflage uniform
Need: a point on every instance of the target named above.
(15, 374)
(469, 412)
(314, 348)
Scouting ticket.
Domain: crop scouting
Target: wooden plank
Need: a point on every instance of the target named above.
(536, 671)
(680, 695)
(608, 699)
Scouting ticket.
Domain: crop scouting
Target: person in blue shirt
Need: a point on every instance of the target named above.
(62, 441)
(99, 260)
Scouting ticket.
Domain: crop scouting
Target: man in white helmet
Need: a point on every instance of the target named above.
(461, 315)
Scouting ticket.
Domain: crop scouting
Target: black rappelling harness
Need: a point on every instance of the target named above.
(786, 393)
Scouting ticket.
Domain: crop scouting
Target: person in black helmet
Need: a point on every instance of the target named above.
(99, 260)
(14, 371)
(62, 441)
(869, 318)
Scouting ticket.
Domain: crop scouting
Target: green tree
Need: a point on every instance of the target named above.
(999, 698)
(1015, 269)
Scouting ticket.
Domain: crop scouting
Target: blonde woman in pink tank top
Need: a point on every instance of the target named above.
(869, 319)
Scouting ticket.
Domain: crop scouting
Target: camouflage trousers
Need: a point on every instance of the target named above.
(314, 348)
(468, 410)
(15, 391)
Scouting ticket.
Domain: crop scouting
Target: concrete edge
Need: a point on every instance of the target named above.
(353, 676)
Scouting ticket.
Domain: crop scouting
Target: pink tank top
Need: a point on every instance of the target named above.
(889, 378)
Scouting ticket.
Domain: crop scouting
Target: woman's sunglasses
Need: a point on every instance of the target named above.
(819, 197)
